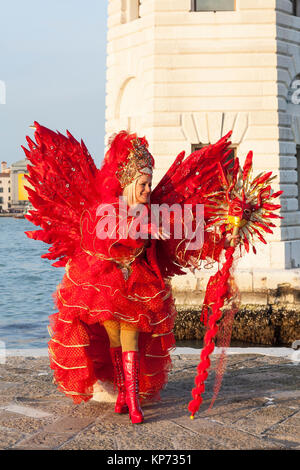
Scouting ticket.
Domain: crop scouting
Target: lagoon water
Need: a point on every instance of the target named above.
(27, 284)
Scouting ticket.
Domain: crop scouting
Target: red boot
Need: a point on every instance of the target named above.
(116, 356)
(131, 365)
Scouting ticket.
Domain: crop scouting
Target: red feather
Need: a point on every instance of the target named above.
(247, 165)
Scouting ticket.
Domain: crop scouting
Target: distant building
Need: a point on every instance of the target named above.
(185, 72)
(5, 187)
(19, 193)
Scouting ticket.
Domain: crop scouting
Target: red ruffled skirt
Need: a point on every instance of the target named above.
(93, 291)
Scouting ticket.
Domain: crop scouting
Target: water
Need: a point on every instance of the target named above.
(27, 284)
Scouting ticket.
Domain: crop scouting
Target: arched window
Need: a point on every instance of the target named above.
(213, 5)
(232, 155)
(296, 7)
(130, 10)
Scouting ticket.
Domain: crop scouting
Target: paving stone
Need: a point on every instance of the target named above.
(231, 411)
(259, 420)
(68, 425)
(227, 436)
(8, 438)
(22, 424)
(288, 430)
(43, 440)
(93, 443)
(257, 407)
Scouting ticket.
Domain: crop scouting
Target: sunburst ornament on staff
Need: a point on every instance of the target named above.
(244, 205)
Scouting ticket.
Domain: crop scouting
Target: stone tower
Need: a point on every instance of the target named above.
(185, 72)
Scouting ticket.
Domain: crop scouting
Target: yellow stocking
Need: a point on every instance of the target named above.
(122, 334)
(113, 330)
(129, 337)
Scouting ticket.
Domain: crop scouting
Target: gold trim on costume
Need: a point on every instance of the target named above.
(158, 372)
(68, 368)
(69, 345)
(155, 335)
(50, 351)
(65, 321)
(141, 315)
(65, 304)
(118, 314)
(130, 297)
(151, 355)
(71, 392)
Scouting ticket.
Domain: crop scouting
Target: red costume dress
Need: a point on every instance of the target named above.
(95, 289)
(123, 278)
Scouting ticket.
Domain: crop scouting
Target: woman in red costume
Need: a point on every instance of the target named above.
(115, 308)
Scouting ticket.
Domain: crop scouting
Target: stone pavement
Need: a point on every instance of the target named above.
(258, 408)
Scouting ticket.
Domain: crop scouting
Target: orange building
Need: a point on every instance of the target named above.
(5, 187)
(19, 193)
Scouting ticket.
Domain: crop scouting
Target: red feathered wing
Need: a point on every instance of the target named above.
(63, 177)
(190, 182)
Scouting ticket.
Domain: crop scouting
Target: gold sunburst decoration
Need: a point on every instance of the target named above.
(244, 204)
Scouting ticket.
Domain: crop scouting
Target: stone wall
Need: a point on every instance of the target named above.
(257, 324)
(288, 67)
(266, 316)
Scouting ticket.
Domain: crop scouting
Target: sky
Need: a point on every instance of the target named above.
(53, 65)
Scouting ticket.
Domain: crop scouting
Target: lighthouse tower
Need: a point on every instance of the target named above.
(185, 72)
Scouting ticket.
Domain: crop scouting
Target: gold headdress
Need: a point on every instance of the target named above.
(139, 160)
